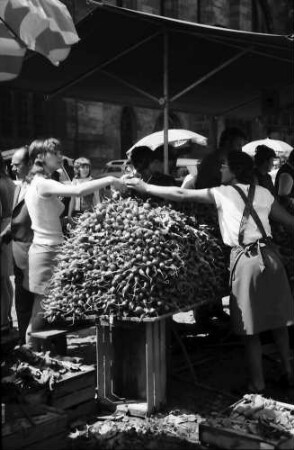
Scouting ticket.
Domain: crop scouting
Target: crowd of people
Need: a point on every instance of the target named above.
(260, 294)
(31, 227)
(238, 186)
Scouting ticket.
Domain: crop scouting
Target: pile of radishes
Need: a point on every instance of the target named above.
(129, 259)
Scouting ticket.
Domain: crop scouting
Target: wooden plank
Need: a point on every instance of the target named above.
(162, 331)
(107, 361)
(57, 442)
(100, 359)
(157, 365)
(94, 319)
(106, 319)
(230, 439)
(97, 358)
(46, 426)
(48, 334)
(149, 369)
(85, 370)
(111, 361)
(72, 382)
(54, 340)
(168, 332)
(74, 398)
(37, 397)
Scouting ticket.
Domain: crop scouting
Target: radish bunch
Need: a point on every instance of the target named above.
(129, 259)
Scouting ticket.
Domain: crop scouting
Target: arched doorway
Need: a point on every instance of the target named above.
(173, 121)
(128, 130)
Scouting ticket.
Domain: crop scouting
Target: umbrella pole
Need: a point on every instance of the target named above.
(166, 100)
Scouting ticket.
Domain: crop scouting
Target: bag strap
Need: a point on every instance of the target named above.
(249, 210)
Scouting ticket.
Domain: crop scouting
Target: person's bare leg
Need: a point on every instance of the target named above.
(281, 338)
(254, 358)
(36, 322)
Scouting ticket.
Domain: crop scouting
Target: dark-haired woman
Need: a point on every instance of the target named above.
(264, 162)
(260, 297)
(45, 208)
(285, 184)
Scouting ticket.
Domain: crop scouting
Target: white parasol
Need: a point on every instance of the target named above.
(280, 147)
(176, 138)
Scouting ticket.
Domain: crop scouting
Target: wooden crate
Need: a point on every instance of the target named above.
(49, 431)
(53, 340)
(131, 364)
(74, 388)
(228, 438)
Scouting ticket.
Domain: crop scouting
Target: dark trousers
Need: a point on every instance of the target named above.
(24, 301)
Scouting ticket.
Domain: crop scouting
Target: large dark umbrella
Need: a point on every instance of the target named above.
(135, 58)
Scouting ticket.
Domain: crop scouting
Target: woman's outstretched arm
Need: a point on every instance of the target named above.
(51, 187)
(172, 193)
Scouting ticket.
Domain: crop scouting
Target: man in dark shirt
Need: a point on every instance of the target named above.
(284, 184)
(149, 164)
(264, 161)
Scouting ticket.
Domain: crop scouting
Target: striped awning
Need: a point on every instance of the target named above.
(43, 26)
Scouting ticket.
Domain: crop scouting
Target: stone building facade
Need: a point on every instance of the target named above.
(104, 131)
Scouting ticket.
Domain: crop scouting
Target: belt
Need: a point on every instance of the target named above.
(239, 250)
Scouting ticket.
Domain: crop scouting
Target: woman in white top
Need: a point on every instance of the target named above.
(45, 208)
(260, 297)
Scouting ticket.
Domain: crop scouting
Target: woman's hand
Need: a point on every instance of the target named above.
(118, 184)
(137, 184)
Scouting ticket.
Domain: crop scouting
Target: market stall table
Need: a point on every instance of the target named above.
(131, 359)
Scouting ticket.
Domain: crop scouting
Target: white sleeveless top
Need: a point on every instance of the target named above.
(230, 207)
(45, 215)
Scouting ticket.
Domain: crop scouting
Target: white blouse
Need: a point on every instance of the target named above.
(230, 207)
(45, 214)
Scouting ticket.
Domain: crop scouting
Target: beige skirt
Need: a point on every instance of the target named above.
(260, 297)
(41, 265)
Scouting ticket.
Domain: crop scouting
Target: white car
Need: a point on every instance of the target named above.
(186, 169)
(115, 168)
